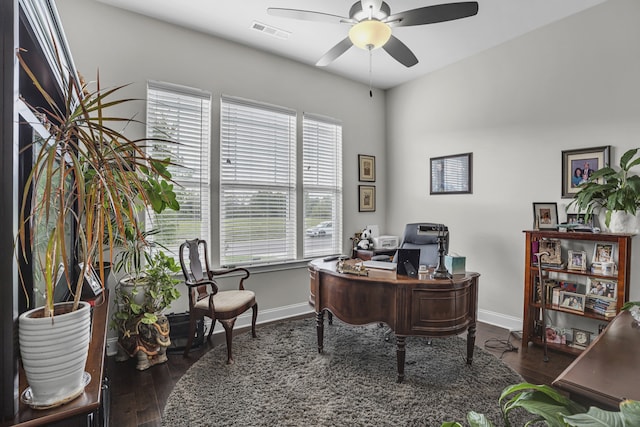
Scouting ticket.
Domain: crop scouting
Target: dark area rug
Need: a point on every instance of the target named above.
(279, 379)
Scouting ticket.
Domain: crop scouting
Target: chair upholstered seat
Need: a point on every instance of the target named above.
(206, 300)
(225, 301)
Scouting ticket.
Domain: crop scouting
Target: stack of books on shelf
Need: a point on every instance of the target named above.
(603, 306)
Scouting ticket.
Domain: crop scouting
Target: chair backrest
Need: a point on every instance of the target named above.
(191, 252)
(426, 242)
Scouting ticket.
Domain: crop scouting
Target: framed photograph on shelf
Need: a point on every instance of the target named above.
(581, 338)
(366, 168)
(602, 288)
(578, 165)
(604, 252)
(555, 335)
(554, 248)
(545, 216)
(367, 198)
(581, 219)
(572, 301)
(577, 260)
(92, 285)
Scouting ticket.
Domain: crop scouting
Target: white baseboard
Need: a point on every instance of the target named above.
(502, 320)
(264, 316)
(273, 314)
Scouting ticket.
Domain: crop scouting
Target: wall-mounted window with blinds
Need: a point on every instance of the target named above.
(182, 115)
(257, 182)
(322, 185)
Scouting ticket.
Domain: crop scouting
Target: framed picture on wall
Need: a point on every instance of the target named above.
(578, 165)
(366, 168)
(367, 196)
(451, 174)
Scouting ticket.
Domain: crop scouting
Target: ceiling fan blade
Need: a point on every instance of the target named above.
(400, 52)
(307, 15)
(334, 52)
(433, 14)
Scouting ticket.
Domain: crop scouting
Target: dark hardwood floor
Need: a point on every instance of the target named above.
(138, 397)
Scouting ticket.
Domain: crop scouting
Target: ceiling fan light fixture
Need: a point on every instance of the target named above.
(370, 34)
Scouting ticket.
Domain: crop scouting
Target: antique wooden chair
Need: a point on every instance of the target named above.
(205, 299)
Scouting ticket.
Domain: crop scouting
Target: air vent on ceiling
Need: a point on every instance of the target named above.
(272, 31)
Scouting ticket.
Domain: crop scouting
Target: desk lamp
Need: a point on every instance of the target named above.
(441, 271)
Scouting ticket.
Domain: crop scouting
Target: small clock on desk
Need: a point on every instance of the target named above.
(581, 338)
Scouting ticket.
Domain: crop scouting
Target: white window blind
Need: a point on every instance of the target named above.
(322, 185)
(257, 182)
(183, 115)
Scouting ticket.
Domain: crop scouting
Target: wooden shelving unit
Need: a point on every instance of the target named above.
(532, 308)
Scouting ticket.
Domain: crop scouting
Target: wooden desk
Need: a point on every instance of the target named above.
(606, 372)
(410, 307)
(76, 412)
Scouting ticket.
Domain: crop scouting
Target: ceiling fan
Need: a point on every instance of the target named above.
(372, 21)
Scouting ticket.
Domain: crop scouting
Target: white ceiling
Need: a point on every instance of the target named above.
(435, 45)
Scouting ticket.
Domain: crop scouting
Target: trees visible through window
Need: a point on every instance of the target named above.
(182, 115)
(322, 185)
(257, 183)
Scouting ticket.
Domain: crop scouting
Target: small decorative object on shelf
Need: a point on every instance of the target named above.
(581, 338)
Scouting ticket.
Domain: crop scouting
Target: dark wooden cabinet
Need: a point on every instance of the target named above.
(585, 319)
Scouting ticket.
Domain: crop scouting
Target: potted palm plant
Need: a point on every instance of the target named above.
(615, 193)
(87, 179)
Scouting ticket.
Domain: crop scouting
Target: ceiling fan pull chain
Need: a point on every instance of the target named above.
(370, 72)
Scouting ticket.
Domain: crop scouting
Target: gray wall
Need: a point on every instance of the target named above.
(573, 84)
(128, 48)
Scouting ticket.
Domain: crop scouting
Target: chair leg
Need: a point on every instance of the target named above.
(213, 325)
(228, 328)
(192, 331)
(254, 317)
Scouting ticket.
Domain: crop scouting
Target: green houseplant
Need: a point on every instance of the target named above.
(553, 409)
(610, 190)
(147, 295)
(86, 180)
(141, 296)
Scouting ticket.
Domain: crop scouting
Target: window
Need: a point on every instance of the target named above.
(257, 182)
(322, 185)
(182, 114)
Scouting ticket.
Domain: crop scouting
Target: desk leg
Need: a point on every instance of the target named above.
(320, 330)
(471, 342)
(400, 354)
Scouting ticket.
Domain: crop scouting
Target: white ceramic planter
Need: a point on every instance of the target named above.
(54, 354)
(623, 222)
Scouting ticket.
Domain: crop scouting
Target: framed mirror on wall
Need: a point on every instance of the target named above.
(451, 174)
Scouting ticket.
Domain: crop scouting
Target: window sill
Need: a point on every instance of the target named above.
(276, 266)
